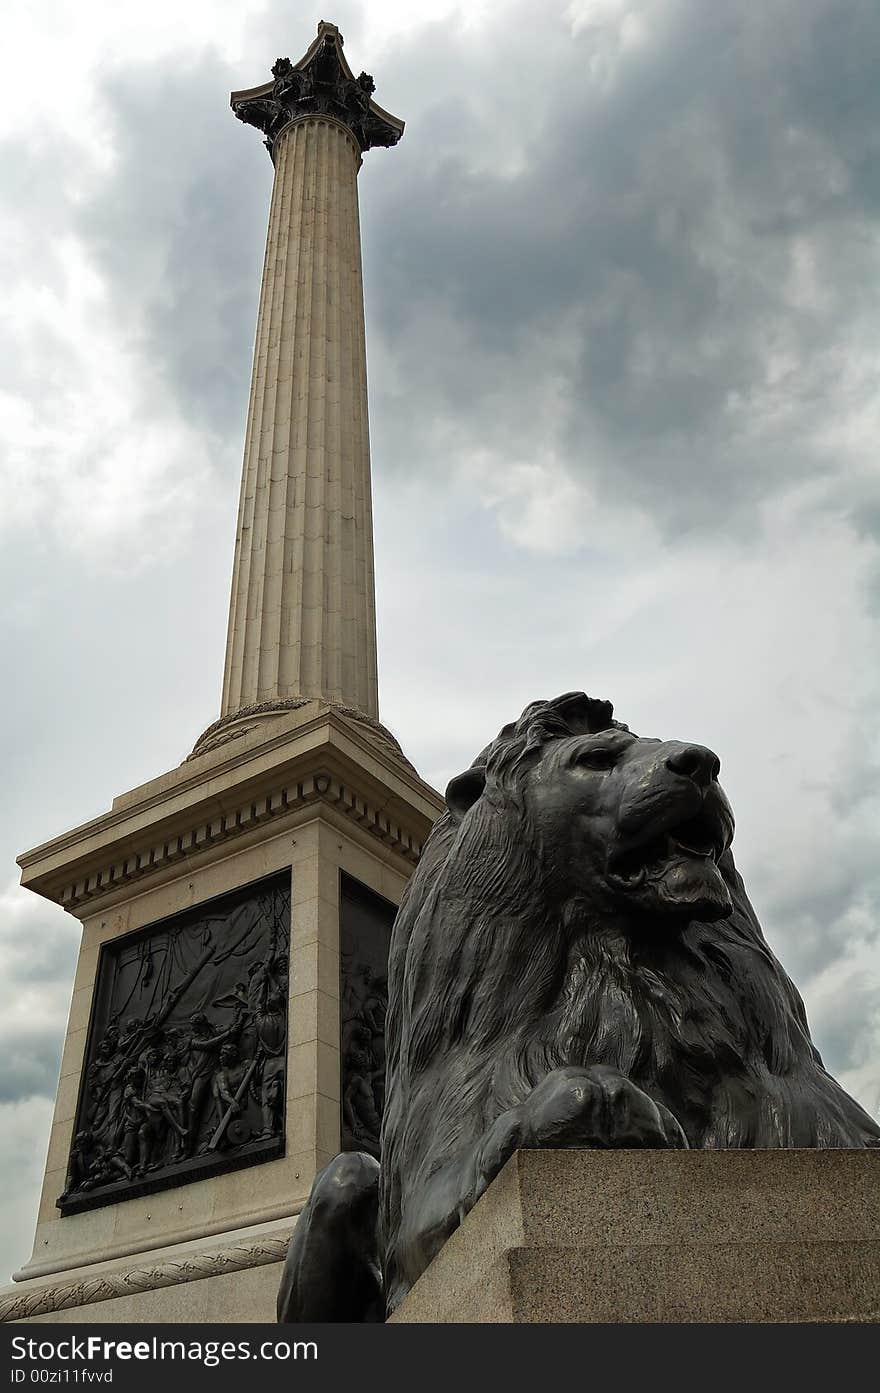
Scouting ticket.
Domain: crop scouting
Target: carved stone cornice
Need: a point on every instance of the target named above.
(166, 1272)
(320, 787)
(320, 84)
(279, 776)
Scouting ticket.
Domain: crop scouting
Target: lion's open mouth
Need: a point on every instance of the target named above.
(701, 836)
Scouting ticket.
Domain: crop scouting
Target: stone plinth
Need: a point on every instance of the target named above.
(674, 1236)
(312, 793)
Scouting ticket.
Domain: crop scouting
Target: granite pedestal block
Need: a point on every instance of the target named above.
(676, 1236)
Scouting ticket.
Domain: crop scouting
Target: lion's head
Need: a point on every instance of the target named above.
(623, 822)
(578, 905)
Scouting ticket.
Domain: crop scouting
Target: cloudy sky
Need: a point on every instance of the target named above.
(623, 329)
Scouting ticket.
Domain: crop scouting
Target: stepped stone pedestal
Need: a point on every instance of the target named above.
(319, 801)
(673, 1236)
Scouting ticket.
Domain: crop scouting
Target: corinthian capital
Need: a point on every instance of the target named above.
(320, 84)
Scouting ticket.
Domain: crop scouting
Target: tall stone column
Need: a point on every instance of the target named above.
(302, 620)
(236, 910)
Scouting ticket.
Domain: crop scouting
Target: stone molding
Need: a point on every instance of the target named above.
(219, 732)
(319, 787)
(167, 1272)
(274, 775)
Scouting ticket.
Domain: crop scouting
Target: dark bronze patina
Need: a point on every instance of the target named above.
(365, 922)
(185, 1063)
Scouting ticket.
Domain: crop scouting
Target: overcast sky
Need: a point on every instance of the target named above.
(623, 328)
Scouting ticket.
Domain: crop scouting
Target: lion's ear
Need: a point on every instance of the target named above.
(463, 791)
(585, 715)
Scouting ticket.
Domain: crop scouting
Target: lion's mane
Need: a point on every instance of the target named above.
(490, 989)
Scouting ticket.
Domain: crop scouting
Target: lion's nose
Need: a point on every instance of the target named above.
(694, 762)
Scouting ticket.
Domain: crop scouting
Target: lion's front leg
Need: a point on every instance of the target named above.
(572, 1107)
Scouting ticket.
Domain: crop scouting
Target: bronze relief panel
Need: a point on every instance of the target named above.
(365, 921)
(184, 1075)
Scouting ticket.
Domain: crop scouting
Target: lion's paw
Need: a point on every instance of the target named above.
(596, 1107)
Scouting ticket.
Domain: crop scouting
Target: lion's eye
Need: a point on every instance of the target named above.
(597, 759)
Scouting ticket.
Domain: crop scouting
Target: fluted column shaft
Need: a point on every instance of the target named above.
(302, 619)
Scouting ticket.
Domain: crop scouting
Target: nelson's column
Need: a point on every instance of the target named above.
(225, 1036)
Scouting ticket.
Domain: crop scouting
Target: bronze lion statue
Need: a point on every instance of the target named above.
(575, 963)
